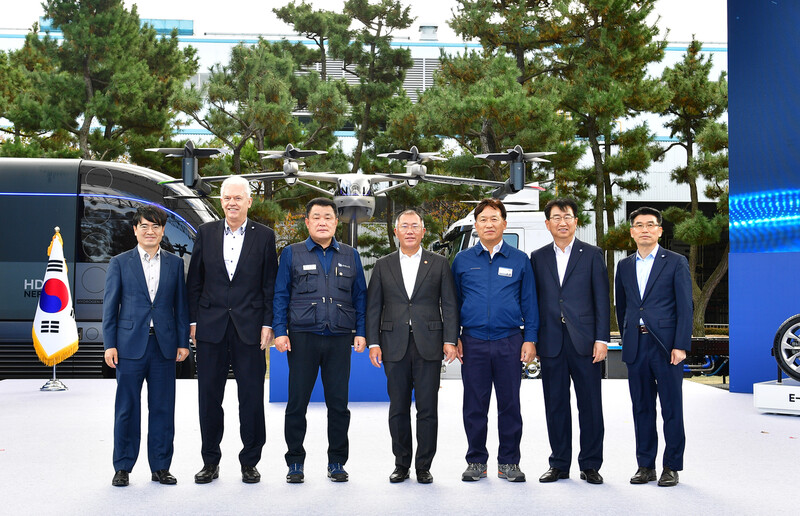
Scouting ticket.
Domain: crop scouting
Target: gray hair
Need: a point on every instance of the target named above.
(235, 181)
(408, 212)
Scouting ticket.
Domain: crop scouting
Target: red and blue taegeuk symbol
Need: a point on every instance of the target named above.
(54, 297)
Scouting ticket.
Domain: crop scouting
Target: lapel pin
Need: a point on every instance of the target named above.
(425, 262)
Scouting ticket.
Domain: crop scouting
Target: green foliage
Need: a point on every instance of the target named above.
(368, 55)
(108, 71)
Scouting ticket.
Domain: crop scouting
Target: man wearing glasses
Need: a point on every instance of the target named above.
(574, 314)
(411, 322)
(145, 331)
(653, 292)
(500, 320)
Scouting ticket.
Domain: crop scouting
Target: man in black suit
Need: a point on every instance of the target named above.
(411, 321)
(574, 320)
(653, 291)
(145, 331)
(231, 282)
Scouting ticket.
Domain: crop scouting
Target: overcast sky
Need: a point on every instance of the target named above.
(704, 18)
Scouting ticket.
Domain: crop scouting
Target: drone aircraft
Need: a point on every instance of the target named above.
(354, 194)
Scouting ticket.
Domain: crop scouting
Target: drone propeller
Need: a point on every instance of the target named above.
(189, 154)
(516, 154)
(413, 155)
(291, 153)
(188, 151)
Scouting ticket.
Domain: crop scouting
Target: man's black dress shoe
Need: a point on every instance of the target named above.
(163, 476)
(553, 474)
(207, 474)
(424, 476)
(120, 479)
(398, 475)
(669, 478)
(643, 476)
(250, 475)
(592, 476)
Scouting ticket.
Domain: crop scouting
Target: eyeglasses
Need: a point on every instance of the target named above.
(148, 227)
(409, 227)
(566, 218)
(235, 198)
(650, 225)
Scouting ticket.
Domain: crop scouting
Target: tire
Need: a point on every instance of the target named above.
(532, 369)
(786, 348)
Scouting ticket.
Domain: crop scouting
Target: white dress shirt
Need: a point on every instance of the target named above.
(232, 247)
(643, 267)
(152, 272)
(409, 267)
(562, 259)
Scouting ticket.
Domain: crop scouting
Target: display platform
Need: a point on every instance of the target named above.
(367, 382)
(777, 398)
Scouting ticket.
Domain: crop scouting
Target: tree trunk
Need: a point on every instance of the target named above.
(704, 296)
(362, 135)
(83, 132)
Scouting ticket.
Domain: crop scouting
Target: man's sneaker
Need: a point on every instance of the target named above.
(337, 473)
(295, 474)
(475, 471)
(510, 472)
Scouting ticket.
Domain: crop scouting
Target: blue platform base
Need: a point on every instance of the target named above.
(367, 382)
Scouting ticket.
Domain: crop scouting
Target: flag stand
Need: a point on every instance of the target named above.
(54, 384)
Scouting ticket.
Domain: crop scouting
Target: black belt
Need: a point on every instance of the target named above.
(152, 330)
(643, 329)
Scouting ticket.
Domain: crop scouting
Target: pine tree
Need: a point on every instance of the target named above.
(695, 107)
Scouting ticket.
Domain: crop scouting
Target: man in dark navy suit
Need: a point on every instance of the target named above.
(230, 283)
(654, 311)
(574, 320)
(145, 330)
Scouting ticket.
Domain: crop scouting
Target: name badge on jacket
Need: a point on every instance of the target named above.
(505, 271)
(310, 267)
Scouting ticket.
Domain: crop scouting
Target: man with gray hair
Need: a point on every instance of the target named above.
(231, 283)
(412, 321)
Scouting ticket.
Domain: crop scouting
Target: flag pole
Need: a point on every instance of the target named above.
(54, 384)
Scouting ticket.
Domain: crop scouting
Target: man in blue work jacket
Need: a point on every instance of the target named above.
(499, 320)
(320, 301)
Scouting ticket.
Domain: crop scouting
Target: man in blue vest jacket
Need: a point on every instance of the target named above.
(500, 320)
(320, 301)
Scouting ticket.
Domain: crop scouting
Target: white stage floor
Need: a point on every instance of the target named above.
(55, 457)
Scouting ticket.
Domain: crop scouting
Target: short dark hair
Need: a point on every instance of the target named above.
(151, 213)
(561, 203)
(490, 203)
(321, 201)
(646, 210)
(409, 211)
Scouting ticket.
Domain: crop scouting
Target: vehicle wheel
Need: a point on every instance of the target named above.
(786, 348)
(532, 369)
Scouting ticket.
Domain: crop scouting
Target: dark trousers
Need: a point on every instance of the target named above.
(649, 375)
(159, 372)
(249, 367)
(488, 362)
(415, 373)
(310, 354)
(586, 377)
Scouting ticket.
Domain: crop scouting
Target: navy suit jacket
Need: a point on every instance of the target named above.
(432, 308)
(583, 299)
(666, 308)
(127, 308)
(247, 298)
